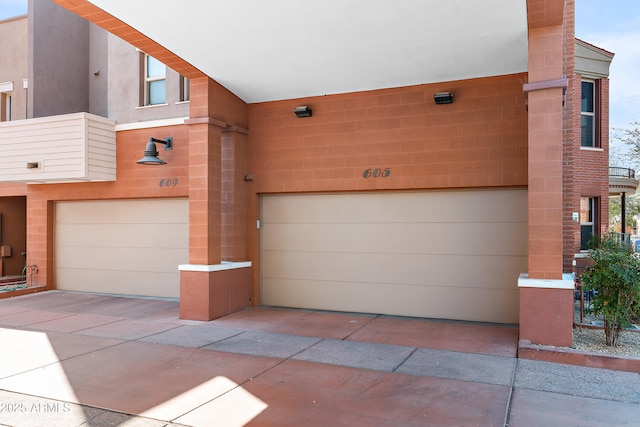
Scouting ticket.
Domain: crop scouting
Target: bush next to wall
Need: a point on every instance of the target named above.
(615, 278)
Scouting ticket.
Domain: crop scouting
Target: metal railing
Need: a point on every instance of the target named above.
(622, 172)
(622, 237)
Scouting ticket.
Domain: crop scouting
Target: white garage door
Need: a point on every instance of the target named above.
(130, 247)
(449, 254)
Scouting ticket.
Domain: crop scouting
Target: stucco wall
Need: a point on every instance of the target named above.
(14, 60)
(124, 87)
(58, 61)
(98, 71)
(75, 66)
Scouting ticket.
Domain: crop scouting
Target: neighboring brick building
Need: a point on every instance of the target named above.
(388, 196)
(592, 72)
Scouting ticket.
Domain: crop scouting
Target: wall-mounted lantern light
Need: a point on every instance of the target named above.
(151, 154)
(443, 98)
(303, 111)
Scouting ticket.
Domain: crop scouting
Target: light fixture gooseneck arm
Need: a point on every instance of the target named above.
(168, 142)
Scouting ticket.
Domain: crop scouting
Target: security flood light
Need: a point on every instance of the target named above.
(303, 111)
(443, 98)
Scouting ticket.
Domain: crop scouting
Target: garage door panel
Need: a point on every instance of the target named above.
(459, 206)
(121, 246)
(439, 270)
(138, 283)
(419, 238)
(473, 304)
(135, 211)
(108, 235)
(429, 252)
(124, 259)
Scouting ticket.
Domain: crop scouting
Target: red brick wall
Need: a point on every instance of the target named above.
(210, 99)
(603, 161)
(234, 196)
(478, 141)
(586, 171)
(592, 165)
(544, 13)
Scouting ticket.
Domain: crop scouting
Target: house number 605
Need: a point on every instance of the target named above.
(376, 173)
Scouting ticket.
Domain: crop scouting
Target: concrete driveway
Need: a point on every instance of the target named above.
(71, 359)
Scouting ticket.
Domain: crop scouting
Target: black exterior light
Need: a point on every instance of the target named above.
(303, 111)
(151, 154)
(443, 98)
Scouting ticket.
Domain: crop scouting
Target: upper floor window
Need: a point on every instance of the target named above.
(155, 81)
(6, 88)
(588, 111)
(185, 93)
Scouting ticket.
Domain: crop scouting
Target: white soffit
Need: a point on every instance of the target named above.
(264, 50)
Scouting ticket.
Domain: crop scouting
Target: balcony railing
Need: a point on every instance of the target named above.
(622, 181)
(618, 172)
(622, 238)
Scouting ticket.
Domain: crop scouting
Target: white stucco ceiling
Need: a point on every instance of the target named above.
(264, 50)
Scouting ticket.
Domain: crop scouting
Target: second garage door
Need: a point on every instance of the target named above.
(449, 254)
(131, 247)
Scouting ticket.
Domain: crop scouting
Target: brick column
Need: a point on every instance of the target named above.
(545, 298)
(40, 226)
(210, 285)
(205, 201)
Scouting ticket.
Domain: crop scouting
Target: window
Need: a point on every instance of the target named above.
(588, 217)
(155, 81)
(185, 93)
(5, 107)
(588, 115)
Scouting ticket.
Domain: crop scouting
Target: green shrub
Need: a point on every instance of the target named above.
(615, 278)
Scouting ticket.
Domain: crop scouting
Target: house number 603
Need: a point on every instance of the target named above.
(376, 173)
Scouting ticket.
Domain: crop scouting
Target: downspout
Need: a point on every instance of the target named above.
(623, 214)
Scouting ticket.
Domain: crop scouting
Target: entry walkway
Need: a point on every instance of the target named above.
(71, 359)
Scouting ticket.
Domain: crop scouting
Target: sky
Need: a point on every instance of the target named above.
(11, 8)
(613, 25)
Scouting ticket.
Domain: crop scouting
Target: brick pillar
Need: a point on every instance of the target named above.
(205, 201)
(210, 285)
(545, 298)
(545, 184)
(40, 226)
